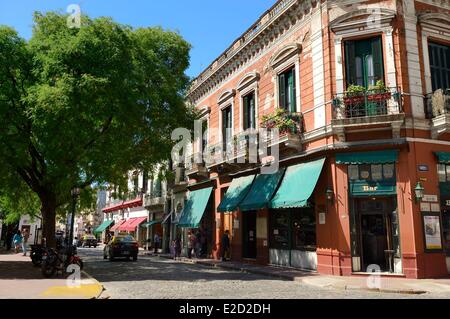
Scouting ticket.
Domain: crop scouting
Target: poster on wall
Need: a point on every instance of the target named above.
(432, 232)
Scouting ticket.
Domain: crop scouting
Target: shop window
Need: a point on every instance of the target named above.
(444, 173)
(286, 90)
(293, 229)
(439, 66)
(372, 172)
(304, 229)
(248, 102)
(364, 62)
(279, 229)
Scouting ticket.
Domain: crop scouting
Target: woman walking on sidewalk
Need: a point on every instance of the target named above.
(17, 240)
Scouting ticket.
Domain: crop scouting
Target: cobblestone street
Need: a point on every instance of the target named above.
(153, 277)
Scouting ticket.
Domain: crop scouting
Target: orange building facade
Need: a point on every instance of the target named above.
(359, 93)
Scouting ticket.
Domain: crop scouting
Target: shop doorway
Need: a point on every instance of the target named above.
(378, 233)
(249, 234)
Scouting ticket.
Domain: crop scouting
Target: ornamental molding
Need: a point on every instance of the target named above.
(437, 22)
(273, 25)
(363, 19)
(248, 79)
(225, 96)
(285, 53)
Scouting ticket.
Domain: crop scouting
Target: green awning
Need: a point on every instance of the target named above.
(443, 157)
(194, 208)
(151, 223)
(238, 189)
(377, 157)
(261, 191)
(298, 184)
(103, 226)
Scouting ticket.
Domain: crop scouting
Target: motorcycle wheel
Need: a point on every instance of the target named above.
(47, 270)
(36, 261)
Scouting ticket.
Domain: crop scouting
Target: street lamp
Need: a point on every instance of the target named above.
(75, 193)
(419, 191)
(329, 195)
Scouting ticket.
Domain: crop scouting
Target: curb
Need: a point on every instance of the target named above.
(293, 278)
(97, 283)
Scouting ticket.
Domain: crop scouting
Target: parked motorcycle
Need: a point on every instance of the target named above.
(36, 254)
(58, 260)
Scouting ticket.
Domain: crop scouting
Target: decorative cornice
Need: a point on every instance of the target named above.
(348, 21)
(247, 79)
(271, 26)
(225, 96)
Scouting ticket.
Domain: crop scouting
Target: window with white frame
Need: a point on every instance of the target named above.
(287, 90)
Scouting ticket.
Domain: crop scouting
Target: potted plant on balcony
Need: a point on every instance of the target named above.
(354, 95)
(379, 92)
(286, 123)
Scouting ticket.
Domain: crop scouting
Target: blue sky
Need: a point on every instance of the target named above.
(209, 25)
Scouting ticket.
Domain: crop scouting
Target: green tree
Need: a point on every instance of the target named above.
(85, 105)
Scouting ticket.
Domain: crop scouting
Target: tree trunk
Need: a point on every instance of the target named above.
(48, 210)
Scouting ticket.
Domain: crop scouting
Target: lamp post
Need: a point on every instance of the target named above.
(329, 195)
(419, 191)
(75, 193)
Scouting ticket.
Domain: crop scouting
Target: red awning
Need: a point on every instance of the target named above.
(133, 223)
(133, 203)
(125, 225)
(137, 202)
(116, 225)
(113, 208)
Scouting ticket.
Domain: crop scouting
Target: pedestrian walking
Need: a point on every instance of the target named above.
(172, 249)
(204, 243)
(25, 236)
(190, 243)
(178, 247)
(225, 245)
(156, 241)
(17, 241)
(9, 237)
(198, 244)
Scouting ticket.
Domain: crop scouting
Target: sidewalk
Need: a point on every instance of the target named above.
(385, 284)
(19, 279)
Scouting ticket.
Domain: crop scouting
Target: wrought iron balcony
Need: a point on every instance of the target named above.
(155, 198)
(195, 167)
(367, 103)
(290, 127)
(366, 108)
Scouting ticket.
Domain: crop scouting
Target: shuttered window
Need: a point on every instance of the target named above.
(439, 66)
(286, 87)
(226, 124)
(364, 62)
(249, 111)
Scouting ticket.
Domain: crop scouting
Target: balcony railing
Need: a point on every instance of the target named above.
(155, 198)
(367, 103)
(437, 103)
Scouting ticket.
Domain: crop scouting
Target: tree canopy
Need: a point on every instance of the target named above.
(85, 105)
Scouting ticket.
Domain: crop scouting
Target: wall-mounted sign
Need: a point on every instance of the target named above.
(435, 207)
(447, 202)
(423, 168)
(236, 224)
(430, 198)
(425, 207)
(423, 179)
(369, 188)
(322, 218)
(432, 232)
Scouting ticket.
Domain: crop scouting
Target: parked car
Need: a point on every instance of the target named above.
(121, 246)
(89, 241)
